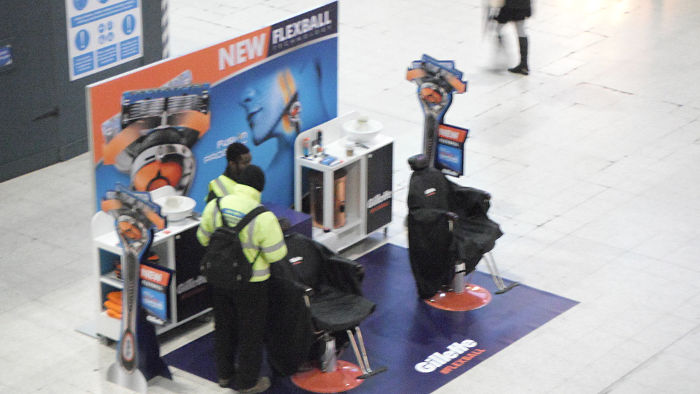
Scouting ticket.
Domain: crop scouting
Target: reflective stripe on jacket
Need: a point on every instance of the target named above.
(222, 186)
(262, 235)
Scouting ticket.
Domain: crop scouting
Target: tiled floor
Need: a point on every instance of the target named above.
(592, 162)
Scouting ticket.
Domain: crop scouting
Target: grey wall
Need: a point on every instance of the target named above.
(43, 114)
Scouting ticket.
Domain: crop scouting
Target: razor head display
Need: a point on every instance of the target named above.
(433, 97)
(159, 128)
(437, 80)
(437, 71)
(158, 107)
(135, 216)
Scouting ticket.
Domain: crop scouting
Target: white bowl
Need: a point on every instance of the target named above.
(176, 208)
(362, 129)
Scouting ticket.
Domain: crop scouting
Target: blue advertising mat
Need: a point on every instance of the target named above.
(423, 347)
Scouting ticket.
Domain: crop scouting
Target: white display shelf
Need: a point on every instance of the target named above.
(112, 280)
(350, 225)
(109, 240)
(110, 327)
(357, 165)
(164, 243)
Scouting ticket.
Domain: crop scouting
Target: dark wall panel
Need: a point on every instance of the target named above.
(43, 113)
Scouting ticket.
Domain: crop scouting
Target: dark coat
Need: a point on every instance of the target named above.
(433, 248)
(518, 4)
(291, 332)
(514, 10)
(429, 235)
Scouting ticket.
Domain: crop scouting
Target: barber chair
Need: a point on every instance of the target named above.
(449, 232)
(320, 298)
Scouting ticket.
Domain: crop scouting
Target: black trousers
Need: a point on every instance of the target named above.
(240, 318)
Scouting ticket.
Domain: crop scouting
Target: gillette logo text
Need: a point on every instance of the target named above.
(451, 357)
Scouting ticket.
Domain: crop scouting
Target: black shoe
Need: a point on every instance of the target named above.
(262, 385)
(225, 382)
(520, 69)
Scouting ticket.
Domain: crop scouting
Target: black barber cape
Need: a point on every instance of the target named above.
(433, 249)
(291, 340)
(474, 233)
(429, 237)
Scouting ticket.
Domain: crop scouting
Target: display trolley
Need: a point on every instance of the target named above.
(184, 298)
(347, 183)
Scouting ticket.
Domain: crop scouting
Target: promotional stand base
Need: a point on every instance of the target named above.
(473, 297)
(345, 377)
(133, 380)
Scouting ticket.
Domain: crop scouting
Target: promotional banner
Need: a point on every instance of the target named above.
(170, 123)
(450, 149)
(155, 285)
(102, 34)
(379, 195)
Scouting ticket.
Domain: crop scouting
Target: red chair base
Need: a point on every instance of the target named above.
(473, 297)
(344, 378)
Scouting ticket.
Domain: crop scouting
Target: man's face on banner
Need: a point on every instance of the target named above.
(272, 107)
(285, 102)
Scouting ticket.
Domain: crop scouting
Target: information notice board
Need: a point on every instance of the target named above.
(102, 34)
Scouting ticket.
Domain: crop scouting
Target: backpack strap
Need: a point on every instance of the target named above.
(248, 217)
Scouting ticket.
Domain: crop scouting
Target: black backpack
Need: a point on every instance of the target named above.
(224, 264)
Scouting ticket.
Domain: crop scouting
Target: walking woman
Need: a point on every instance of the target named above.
(516, 11)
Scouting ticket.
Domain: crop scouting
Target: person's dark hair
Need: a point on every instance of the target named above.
(252, 176)
(235, 150)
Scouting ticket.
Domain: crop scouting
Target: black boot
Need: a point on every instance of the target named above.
(522, 67)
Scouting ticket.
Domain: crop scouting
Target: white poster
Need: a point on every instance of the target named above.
(102, 34)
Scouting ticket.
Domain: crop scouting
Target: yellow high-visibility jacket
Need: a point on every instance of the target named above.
(262, 235)
(220, 186)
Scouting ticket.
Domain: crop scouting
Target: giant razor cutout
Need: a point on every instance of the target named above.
(136, 217)
(437, 81)
(158, 129)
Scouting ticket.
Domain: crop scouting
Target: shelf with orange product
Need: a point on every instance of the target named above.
(178, 301)
(349, 184)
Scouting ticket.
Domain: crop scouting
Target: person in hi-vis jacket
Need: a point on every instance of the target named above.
(238, 157)
(240, 315)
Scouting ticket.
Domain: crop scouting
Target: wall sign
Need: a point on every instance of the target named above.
(102, 34)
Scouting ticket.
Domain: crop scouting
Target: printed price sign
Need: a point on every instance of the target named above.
(450, 149)
(102, 34)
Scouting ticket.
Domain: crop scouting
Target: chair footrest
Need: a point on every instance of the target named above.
(507, 288)
(373, 372)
